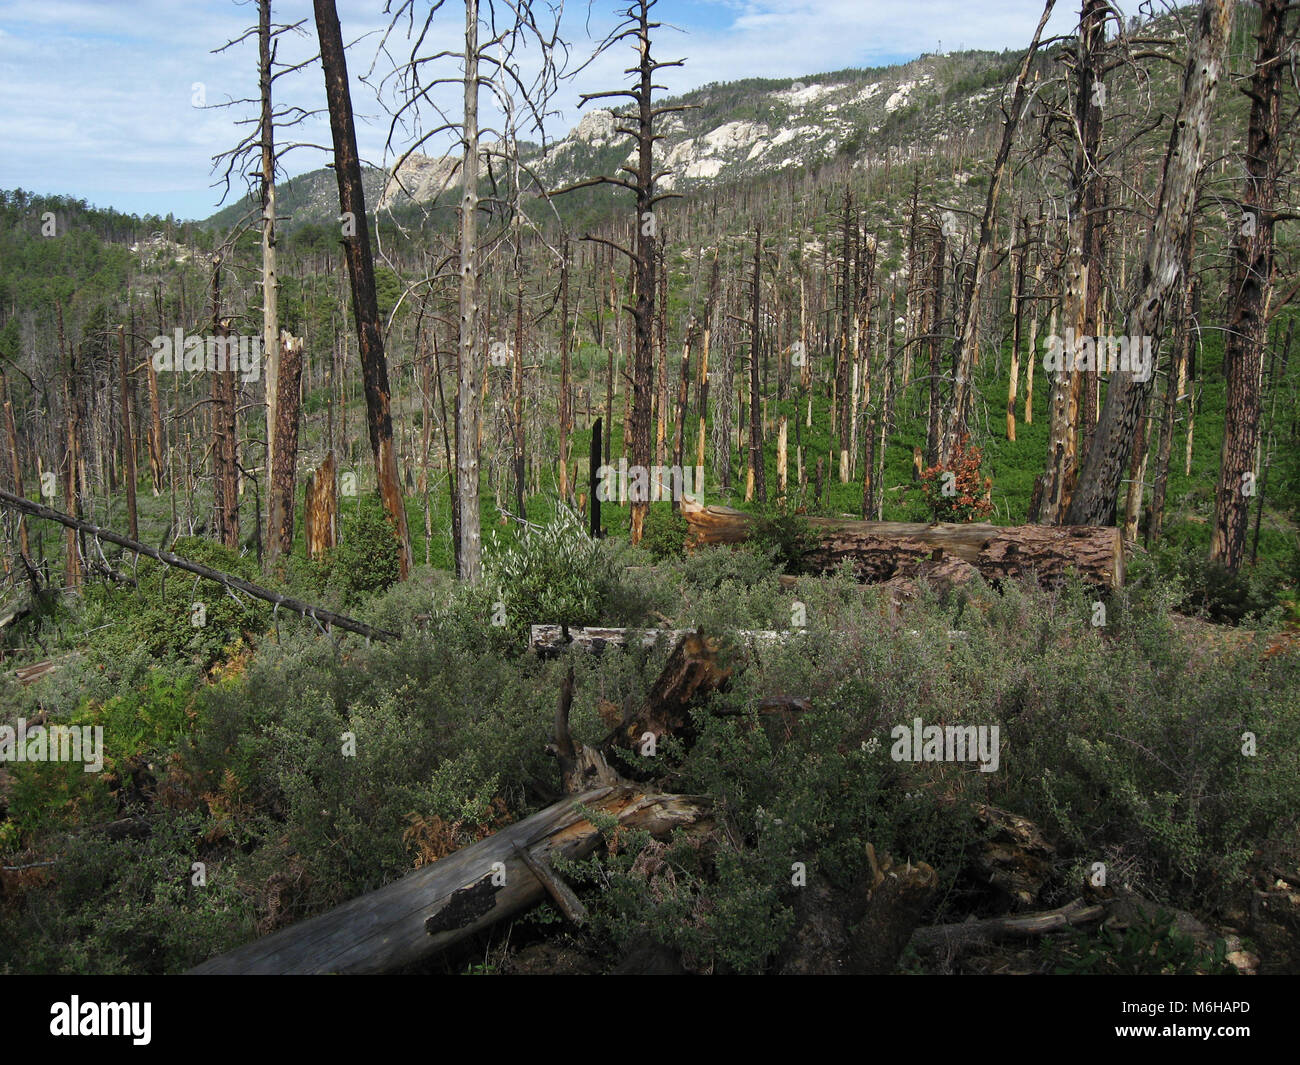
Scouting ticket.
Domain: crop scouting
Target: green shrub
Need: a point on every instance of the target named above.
(665, 532)
(162, 614)
(785, 537)
(1151, 946)
(368, 557)
(555, 574)
(1221, 594)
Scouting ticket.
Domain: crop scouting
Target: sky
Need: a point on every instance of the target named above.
(117, 101)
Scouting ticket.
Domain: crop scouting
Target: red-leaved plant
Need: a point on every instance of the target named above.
(958, 492)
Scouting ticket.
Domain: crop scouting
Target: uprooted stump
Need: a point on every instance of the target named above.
(860, 930)
(1014, 858)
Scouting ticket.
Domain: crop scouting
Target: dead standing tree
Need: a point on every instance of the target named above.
(964, 357)
(225, 429)
(638, 122)
(1249, 288)
(1082, 271)
(1162, 275)
(415, 90)
(361, 271)
(258, 146)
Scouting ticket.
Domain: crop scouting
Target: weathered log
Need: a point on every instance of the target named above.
(444, 903)
(956, 937)
(26, 675)
(880, 550)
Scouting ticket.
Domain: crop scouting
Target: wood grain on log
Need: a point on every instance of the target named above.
(991, 930)
(880, 550)
(444, 903)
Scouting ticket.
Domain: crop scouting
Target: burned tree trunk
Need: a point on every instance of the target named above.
(270, 278)
(320, 510)
(469, 541)
(1162, 275)
(361, 271)
(286, 446)
(1252, 274)
(128, 433)
(756, 463)
(15, 467)
(566, 402)
(964, 361)
(1082, 272)
(225, 454)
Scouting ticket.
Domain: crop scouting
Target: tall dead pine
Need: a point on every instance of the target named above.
(361, 271)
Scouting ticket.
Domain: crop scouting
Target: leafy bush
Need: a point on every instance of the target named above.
(368, 557)
(161, 615)
(1222, 594)
(958, 492)
(785, 536)
(553, 575)
(1151, 946)
(665, 533)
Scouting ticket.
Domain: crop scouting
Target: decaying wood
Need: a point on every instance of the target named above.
(320, 614)
(861, 929)
(446, 902)
(320, 509)
(26, 675)
(1013, 856)
(897, 898)
(993, 929)
(695, 668)
(880, 550)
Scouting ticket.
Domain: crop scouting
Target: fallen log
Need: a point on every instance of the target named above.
(319, 614)
(26, 675)
(551, 639)
(446, 902)
(968, 934)
(880, 550)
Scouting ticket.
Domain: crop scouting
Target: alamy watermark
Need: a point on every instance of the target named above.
(1131, 354)
(919, 742)
(58, 743)
(195, 354)
(77, 1018)
(649, 484)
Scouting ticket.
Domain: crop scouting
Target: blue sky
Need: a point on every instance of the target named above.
(98, 97)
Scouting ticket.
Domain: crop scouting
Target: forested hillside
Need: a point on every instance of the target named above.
(748, 427)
